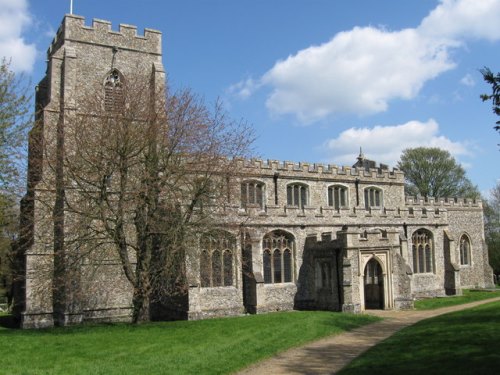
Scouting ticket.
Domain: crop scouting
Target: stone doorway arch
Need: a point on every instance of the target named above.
(373, 285)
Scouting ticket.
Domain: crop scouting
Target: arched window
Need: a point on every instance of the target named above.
(278, 257)
(297, 195)
(423, 251)
(216, 259)
(464, 250)
(252, 193)
(337, 196)
(113, 91)
(373, 198)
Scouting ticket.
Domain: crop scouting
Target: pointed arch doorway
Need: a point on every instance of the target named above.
(374, 285)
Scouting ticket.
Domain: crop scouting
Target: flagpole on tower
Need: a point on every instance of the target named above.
(71, 7)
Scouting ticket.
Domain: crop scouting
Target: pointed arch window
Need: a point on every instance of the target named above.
(278, 257)
(465, 250)
(216, 260)
(113, 91)
(423, 251)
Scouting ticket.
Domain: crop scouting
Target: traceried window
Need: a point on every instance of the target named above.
(277, 257)
(113, 91)
(252, 193)
(373, 198)
(423, 251)
(216, 259)
(337, 196)
(464, 250)
(297, 195)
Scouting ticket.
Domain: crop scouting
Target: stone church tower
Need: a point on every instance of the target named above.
(81, 61)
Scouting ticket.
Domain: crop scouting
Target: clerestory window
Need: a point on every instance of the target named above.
(337, 196)
(252, 193)
(297, 195)
(373, 198)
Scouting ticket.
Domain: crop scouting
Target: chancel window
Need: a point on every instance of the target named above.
(464, 250)
(297, 195)
(216, 259)
(252, 193)
(113, 91)
(277, 257)
(373, 198)
(423, 252)
(337, 196)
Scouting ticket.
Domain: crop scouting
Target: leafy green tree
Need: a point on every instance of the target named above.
(432, 172)
(492, 227)
(494, 81)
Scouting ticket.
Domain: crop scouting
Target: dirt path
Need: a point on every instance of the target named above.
(329, 355)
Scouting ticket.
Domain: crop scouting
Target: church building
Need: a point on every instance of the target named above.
(313, 236)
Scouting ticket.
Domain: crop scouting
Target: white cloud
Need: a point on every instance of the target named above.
(385, 143)
(468, 80)
(245, 88)
(358, 71)
(361, 70)
(464, 19)
(14, 17)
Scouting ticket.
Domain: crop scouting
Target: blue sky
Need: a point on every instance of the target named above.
(317, 78)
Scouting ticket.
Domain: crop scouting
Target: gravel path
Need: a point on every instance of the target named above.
(329, 355)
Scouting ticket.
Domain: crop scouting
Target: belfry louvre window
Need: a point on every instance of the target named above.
(277, 257)
(216, 260)
(297, 195)
(464, 250)
(252, 193)
(373, 198)
(337, 196)
(423, 251)
(113, 91)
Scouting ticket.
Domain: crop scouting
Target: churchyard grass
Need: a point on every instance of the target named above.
(214, 346)
(464, 342)
(468, 296)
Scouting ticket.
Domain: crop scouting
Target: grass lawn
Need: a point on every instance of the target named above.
(213, 346)
(465, 342)
(468, 296)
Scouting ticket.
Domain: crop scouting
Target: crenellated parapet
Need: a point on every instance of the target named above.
(73, 28)
(315, 170)
(443, 202)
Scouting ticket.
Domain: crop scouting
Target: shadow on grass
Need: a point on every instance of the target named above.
(464, 342)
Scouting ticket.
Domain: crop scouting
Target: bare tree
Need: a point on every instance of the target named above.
(143, 172)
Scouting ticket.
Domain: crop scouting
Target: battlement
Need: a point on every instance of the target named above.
(259, 166)
(73, 29)
(443, 202)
